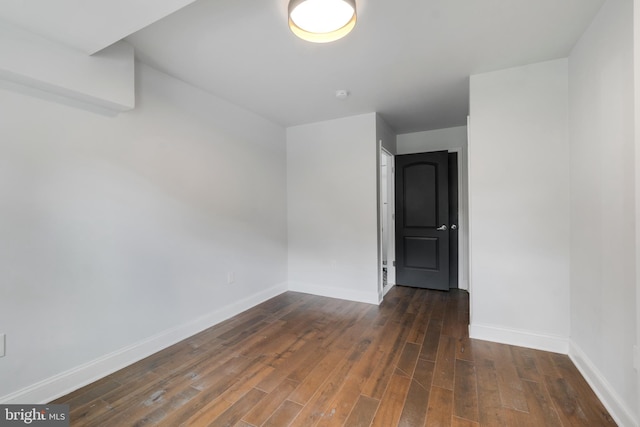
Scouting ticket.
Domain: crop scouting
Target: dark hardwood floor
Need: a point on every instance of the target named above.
(302, 360)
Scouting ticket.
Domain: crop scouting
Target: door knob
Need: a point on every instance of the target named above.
(454, 227)
(442, 228)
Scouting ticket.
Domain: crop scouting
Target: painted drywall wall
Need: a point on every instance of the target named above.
(88, 29)
(451, 139)
(636, 74)
(433, 140)
(105, 79)
(519, 206)
(385, 135)
(118, 232)
(603, 311)
(332, 208)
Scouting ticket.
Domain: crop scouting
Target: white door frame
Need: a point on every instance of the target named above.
(463, 280)
(389, 224)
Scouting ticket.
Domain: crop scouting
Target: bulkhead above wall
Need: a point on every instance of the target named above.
(37, 66)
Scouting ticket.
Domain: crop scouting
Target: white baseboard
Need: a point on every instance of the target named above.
(621, 413)
(327, 291)
(68, 381)
(553, 343)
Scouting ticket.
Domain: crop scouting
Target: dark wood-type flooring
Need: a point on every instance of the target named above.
(302, 360)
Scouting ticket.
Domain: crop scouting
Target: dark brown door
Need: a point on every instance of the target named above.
(422, 220)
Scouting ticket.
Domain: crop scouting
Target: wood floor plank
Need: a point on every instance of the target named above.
(394, 336)
(431, 340)
(165, 394)
(490, 408)
(320, 407)
(93, 392)
(347, 397)
(392, 402)
(243, 329)
(231, 415)
(297, 367)
(461, 422)
(482, 350)
(545, 364)
(423, 373)
(203, 417)
(518, 418)
(283, 415)
(509, 383)
(211, 388)
(162, 402)
(408, 358)
(525, 364)
(248, 380)
(540, 405)
(363, 412)
(584, 393)
(124, 399)
(439, 412)
(572, 409)
(445, 363)
(305, 360)
(465, 391)
(450, 324)
(272, 338)
(421, 322)
(416, 302)
(117, 401)
(309, 385)
(177, 401)
(272, 401)
(464, 349)
(415, 407)
(82, 416)
(342, 404)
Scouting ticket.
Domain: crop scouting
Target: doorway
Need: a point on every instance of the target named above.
(387, 219)
(426, 190)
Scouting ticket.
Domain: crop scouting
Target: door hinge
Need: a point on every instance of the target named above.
(393, 216)
(394, 263)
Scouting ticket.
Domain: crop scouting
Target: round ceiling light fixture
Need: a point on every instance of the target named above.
(322, 21)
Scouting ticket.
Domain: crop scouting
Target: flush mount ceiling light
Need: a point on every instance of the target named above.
(322, 21)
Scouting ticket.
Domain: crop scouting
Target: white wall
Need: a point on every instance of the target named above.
(332, 208)
(117, 233)
(433, 140)
(105, 79)
(385, 135)
(519, 206)
(450, 139)
(88, 29)
(603, 310)
(636, 75)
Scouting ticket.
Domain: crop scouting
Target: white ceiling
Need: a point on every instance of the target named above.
(407, 59)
